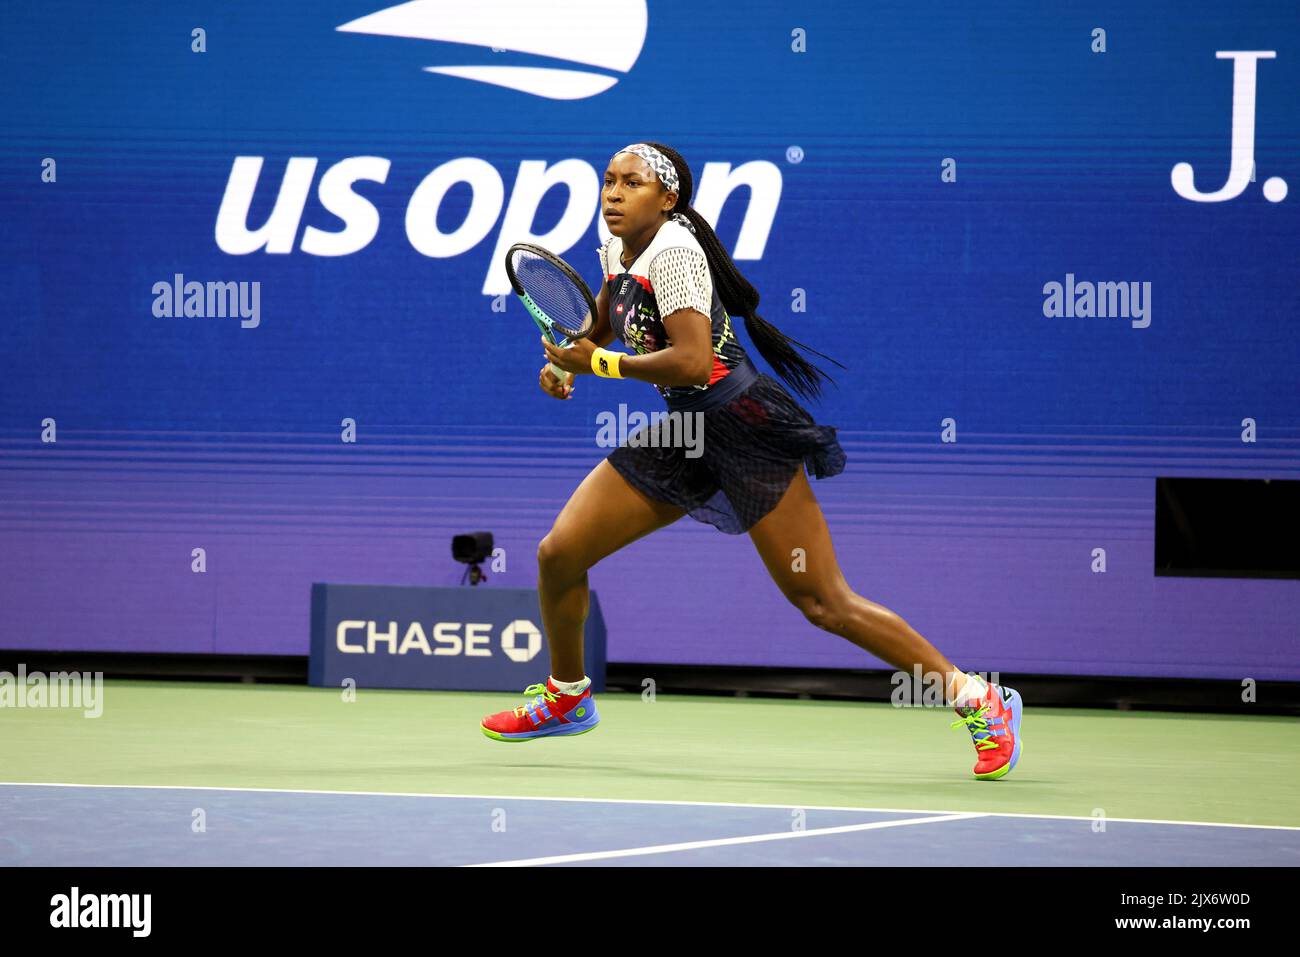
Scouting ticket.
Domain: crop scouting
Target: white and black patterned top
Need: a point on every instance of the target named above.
(671, 274)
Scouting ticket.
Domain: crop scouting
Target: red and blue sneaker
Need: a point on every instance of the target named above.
(994, 725)
(550, 712)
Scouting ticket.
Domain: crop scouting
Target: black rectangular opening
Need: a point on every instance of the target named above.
(1228, 528)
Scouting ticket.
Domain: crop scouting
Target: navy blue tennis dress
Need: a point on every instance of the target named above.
(755, 436)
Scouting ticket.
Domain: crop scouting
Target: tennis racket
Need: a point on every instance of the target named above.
(554, 295)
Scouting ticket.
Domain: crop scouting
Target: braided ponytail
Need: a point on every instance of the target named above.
(740, 298)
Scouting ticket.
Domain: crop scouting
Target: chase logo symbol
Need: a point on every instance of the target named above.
(471, 639)
(521, 630)
(607, 34)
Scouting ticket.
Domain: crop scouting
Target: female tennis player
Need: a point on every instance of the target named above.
(670, 293)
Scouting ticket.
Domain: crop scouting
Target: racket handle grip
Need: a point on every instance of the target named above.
(565, 377)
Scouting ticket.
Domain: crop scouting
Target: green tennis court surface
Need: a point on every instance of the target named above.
(866, 773)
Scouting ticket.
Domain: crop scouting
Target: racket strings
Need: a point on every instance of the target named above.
(553, 293)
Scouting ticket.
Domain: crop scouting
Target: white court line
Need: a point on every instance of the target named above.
(720, 842)
(586, 800)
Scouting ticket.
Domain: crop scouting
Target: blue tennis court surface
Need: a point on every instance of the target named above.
(78, 825)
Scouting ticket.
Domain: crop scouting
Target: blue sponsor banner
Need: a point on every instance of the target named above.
(461, 639)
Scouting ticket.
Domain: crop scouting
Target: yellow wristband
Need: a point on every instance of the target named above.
(604, 362)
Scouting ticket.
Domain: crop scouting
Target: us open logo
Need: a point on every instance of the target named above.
(605, 34)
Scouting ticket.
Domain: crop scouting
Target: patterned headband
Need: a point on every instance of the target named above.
(664, 169)
(661, 164)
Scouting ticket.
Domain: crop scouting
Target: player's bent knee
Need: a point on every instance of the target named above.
(557, 562)
(548, 554)
(824, 609)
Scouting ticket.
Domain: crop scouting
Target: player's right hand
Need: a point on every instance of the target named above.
(551, 385)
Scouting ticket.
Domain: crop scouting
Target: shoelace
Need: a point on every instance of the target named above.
(978, 726)
(542, 692)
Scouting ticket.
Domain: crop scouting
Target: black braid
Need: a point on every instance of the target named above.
(740, 298)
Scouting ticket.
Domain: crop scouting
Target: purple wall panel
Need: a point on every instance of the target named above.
(985, 550)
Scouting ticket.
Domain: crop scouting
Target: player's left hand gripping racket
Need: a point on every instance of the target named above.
(554, 295)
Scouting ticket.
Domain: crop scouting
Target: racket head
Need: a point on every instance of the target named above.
(552, 292)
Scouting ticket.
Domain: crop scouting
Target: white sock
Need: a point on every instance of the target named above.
(572, 687)
(972, 690)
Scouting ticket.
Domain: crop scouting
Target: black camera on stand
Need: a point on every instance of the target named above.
(473, 549)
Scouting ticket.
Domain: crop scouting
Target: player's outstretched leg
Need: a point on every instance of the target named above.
(817, 588)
